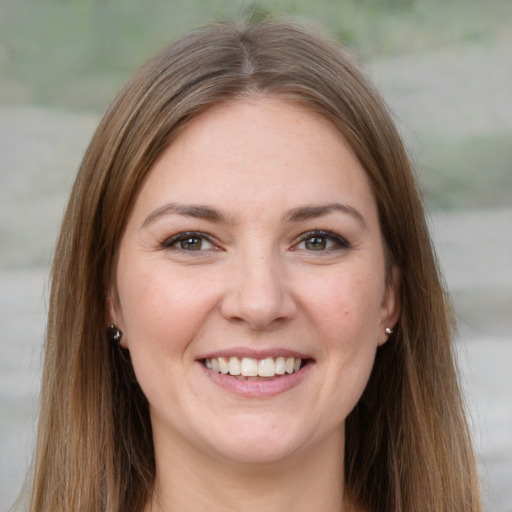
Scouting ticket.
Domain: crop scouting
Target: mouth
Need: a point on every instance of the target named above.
(252, 369)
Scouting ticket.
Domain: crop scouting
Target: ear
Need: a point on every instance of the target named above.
(390, 306)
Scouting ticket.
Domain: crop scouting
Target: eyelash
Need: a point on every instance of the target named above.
(168, 243)
(340, 242)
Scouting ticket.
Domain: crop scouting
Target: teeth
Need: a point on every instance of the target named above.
(249, 367)
(234, 366)
(223, 366)
(266, 367)
(281, 366)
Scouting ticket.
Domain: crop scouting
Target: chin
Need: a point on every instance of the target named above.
(257, 453)
(261, 442)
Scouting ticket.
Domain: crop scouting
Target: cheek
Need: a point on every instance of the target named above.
(160, 318)
(346, 306)
(346, 314)
(159, 311)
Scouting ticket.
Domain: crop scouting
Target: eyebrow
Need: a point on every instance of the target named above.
(302, 213)
(313, 211)
(196, 211)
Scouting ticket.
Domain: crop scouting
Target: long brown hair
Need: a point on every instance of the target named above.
(407, 442)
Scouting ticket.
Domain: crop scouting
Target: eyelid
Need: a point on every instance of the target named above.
(170, 241)
(340, 241)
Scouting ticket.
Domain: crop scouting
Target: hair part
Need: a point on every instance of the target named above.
(407, 441)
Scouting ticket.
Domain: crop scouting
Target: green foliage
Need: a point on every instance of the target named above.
(470, 173)
(77, 53)
(398, 5)
(255, 13)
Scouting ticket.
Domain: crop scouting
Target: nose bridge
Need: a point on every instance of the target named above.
(258, 293)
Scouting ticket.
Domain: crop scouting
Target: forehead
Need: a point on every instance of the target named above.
(258, 151)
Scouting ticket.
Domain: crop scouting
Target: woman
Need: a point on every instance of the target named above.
(246, 231)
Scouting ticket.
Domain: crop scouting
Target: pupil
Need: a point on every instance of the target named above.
(315, 243)
(193, 244)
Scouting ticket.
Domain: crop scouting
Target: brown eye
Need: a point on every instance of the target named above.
(191, 244)
(321, 241)
(316, 243)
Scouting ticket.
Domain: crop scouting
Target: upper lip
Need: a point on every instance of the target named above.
(241, 352)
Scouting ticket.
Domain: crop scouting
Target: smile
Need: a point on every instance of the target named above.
(247, 367)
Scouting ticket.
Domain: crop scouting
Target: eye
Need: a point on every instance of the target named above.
(321, 241)
(316, 243)
(189, 241)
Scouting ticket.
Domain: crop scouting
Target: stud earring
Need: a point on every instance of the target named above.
(114, 335)
(388, 330)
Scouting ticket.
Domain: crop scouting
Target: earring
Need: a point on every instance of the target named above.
(388, 330)
(114, 335)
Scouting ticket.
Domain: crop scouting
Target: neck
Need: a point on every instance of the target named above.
(303, 482)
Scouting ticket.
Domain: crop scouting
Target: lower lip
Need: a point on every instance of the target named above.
(258, 388)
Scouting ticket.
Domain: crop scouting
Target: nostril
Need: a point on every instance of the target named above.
(258, 295)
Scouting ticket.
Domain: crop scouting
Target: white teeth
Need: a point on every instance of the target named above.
(281, 365)
(234, 366)
(223, 365)
(266, 367)
(251, 368)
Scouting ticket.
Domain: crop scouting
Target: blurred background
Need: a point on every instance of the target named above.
(443, 66)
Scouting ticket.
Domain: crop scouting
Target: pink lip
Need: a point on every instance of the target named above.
(258, 388)
(254, 353)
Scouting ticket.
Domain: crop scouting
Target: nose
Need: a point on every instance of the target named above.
(258, 293)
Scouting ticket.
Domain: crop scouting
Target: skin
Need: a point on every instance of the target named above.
(258, 280)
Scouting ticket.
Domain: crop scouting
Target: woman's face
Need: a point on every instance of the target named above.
(253, 251)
